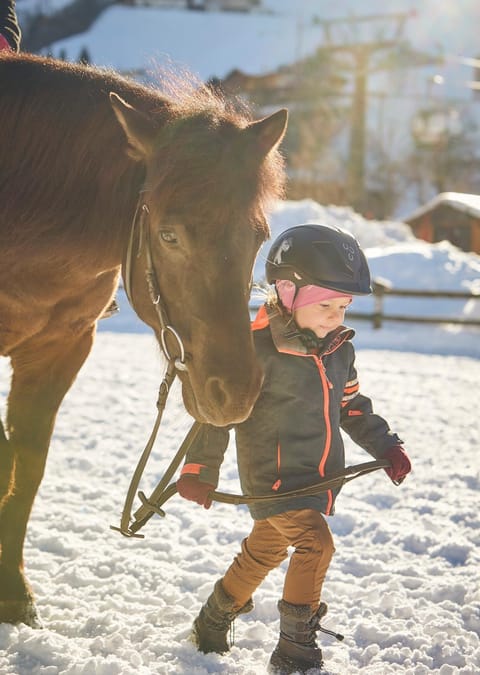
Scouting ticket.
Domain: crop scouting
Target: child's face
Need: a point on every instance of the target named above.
(322, 317)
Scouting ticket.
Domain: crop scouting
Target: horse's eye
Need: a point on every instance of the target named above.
(168, 236)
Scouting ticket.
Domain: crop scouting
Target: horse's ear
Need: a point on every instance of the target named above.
(137, 126)
(268, 132)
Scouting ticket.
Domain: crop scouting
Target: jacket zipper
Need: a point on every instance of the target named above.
(278, 482)
(326, 385)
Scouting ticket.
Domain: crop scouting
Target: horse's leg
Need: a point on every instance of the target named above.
(42, 374)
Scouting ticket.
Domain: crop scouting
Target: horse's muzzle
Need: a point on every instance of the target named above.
(221, 402)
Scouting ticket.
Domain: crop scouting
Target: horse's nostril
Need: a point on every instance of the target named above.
(216, 392)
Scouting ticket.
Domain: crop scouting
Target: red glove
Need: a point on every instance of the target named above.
(400, 462)
(190, 487)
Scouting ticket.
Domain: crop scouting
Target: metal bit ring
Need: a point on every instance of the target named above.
(180, 360)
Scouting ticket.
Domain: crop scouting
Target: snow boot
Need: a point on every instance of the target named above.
(211, 627)
(297, 650)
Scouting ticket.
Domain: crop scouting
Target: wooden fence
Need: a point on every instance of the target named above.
(382, 290)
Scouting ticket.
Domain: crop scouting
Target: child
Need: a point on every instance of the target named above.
(9, 29)
(292, 438)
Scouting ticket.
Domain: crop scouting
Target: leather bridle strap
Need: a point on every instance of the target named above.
(164, 390)
(141, 229)
(128, 264)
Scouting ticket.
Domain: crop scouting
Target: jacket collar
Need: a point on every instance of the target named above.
(287, 338)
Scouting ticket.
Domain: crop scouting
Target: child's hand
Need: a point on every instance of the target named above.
(190, 487)
(400, 462)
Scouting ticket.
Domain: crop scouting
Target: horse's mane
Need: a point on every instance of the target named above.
(202, 151)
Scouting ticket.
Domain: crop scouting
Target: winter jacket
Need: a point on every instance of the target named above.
(292, 437)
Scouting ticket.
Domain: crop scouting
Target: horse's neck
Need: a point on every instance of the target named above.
(70, 161)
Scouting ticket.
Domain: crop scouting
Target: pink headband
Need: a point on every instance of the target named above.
(307, 295)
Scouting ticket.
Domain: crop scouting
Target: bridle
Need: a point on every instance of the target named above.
(140, 226)
(140, 232)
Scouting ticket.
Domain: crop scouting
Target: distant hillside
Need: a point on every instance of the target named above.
(40, 29)
(45, 23)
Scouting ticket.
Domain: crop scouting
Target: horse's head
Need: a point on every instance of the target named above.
(208, 176)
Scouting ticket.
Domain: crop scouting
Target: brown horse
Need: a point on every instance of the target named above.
(73, 158)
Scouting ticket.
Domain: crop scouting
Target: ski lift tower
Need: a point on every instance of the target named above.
(370, 44)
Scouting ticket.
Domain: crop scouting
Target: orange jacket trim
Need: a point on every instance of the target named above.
(192, 468)
(261, 320)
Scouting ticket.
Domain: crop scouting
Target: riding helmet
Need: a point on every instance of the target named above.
(321, 255)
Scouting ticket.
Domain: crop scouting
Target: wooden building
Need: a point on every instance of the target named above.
(454, 216)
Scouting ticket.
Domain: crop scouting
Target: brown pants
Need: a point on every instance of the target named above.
(266, 547)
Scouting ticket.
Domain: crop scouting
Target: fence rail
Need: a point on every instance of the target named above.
(382, 290)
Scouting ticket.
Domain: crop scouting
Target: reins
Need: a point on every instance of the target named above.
(165, 490)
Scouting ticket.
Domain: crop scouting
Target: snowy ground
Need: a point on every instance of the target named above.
(404, 585)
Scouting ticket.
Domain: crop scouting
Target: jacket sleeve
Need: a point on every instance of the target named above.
(206, 453)
(370, 431)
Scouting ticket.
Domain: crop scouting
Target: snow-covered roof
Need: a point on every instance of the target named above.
(458, 200)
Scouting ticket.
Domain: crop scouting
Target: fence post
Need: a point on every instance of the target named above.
(379, 287)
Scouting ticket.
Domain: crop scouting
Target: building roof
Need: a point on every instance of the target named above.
(459, 201)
